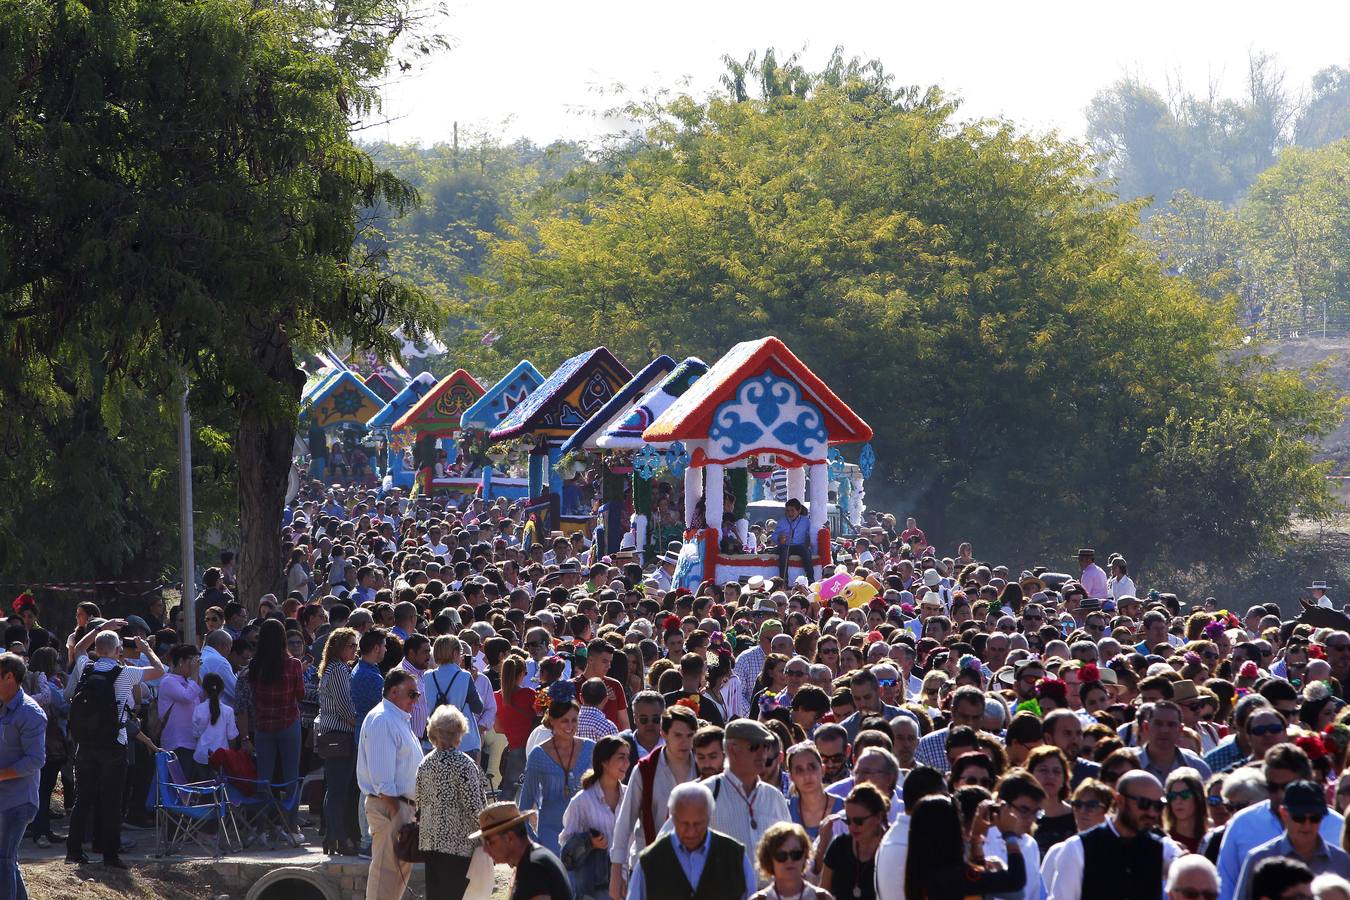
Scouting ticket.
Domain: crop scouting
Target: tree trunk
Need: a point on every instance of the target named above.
(266, 438)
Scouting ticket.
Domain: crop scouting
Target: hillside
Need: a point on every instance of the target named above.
(1303, 354)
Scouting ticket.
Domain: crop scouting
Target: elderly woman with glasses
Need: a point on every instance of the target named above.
(783, 854)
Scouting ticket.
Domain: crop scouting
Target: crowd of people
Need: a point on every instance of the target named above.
(971, 730)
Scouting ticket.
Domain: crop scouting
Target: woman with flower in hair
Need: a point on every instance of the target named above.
(554, 769)
(1319, 706)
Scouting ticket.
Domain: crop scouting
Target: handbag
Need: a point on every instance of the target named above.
(406, 843)
(333, 744)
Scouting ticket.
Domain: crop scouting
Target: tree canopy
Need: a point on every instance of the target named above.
(1033, 374)
(180, 194)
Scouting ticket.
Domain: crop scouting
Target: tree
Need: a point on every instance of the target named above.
(181, 194)
(1326, 117)
(1151, 146)
(1017, 348)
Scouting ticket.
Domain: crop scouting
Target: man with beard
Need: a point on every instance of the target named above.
(1121, 859)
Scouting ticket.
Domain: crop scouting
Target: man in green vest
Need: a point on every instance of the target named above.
(692, 862)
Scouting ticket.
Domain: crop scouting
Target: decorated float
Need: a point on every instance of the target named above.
(434, 423)
(546, 418)
(498, 463)
(342, 398)
(617, 439)
(611, 470)
(761, 405)
(400, 474)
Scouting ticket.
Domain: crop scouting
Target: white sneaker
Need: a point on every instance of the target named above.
(43, 842)
(297, 837)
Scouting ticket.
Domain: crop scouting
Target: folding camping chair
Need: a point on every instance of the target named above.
(184, 811)
(256, 810)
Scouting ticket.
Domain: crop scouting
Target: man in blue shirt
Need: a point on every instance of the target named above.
(23, 750)
(1260, 822)
(367, 681)
(792, 536)
(1301, 811)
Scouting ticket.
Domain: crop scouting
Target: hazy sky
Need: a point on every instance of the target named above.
(549, 70)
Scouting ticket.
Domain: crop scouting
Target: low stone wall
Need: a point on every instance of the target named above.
(243, 879)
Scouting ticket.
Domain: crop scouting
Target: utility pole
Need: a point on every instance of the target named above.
(189, 563)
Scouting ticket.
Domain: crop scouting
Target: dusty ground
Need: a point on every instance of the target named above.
(55, 879)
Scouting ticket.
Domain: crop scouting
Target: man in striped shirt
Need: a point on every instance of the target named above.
(751, 662)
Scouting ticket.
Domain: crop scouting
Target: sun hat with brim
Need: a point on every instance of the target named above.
(499, 817)
(1184, 691)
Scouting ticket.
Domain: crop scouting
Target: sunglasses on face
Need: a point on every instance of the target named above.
(1144, 803)
(886, 682)
(1186, 794)
(828, 651)
(857, 821)
(647, 720)
(1262, 730)
(1306, 818)
(785, 855)
(832, 757)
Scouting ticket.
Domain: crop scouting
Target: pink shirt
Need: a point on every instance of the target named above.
(1094, 582)
(178, 698)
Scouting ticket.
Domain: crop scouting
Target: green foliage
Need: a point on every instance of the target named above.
(966, 287)
(1281, 252)
(180, 193)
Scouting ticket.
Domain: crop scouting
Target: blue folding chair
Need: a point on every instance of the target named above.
(256, 810)
(186, 811)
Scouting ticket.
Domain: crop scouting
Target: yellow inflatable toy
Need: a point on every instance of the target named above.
(858, 593)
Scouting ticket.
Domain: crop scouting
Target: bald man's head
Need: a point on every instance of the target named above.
(1139, 802)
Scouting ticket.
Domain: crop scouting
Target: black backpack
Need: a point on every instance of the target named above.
(95, 714)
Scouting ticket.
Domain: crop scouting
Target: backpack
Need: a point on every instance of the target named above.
(95, 714)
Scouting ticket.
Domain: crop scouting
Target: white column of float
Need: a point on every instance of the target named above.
(693, 492)
(796, 483)
(714, 489)
(819, 487)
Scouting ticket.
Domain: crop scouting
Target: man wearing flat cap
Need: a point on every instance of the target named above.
(503, 829)
(746, 806)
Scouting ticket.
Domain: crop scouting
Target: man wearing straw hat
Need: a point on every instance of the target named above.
(539, 874)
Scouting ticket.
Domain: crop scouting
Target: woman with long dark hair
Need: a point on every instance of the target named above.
(277, 684)
(936, 864)
(849, 866)
(588, 822)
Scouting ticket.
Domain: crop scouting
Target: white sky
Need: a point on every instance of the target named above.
(547, 70)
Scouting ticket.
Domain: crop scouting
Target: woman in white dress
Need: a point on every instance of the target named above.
(588, 821)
